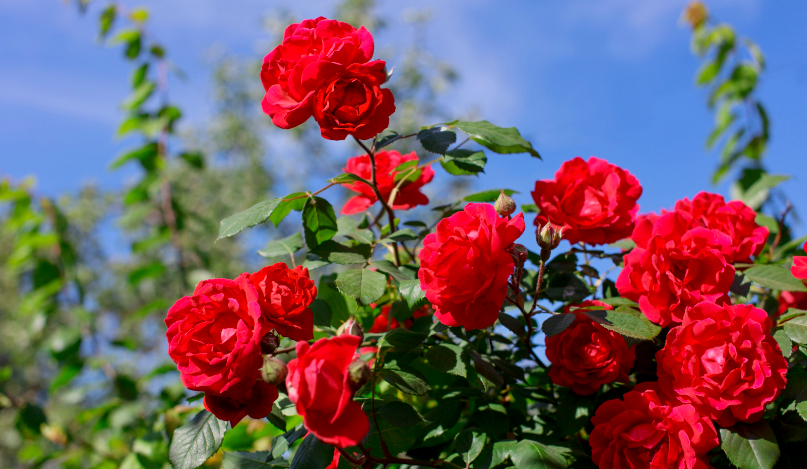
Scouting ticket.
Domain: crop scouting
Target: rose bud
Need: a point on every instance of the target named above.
(269, 343)
(351, 327)
(505, 206)
(273, 370)
(358, 374)
(520, 254)
(548, 239)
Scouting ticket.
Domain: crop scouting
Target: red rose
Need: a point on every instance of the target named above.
(353, 103)
(799, 267)
(792, 299)
(734, 218)
(383, 323)
(673, 267)
(586, 355)
(318, 383)
(594, 201)
(465, 264)
(284, 296)
(724, 361)
(644, 431)
(311, 53)
(214, 338)
(408, 195)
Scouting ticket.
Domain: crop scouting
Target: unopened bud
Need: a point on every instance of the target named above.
(358, 374)
(520, 254)
(548, 239)
(269, 343)
(505, 206)
(695, 14)
(351, 327)
(273, 370)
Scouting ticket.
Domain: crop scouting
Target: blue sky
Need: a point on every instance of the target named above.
(611, 78)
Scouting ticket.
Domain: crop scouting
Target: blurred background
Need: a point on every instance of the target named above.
(128, 132)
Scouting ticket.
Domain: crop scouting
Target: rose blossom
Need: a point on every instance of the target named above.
(353, 103)
(408, 195)
(673, 267)
(214, 338)
(465, 264)
(319, 385)
(724, 361)
(799, 267)
(594, 201)
(644, 430)
(284, 296)
(383, 323)
(586, 355)
(311, 53)
(792, 299)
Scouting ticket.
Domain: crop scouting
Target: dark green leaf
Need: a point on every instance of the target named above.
(463, 162)
(408, 381)
(498, 139)
(626, 321)
(338, 253)
(774, 277)
(390, 268)
(282, 247)
(401, 235)
(488, 196)
(148, 271)
(796, 329)
(319, 221)
(535, 455)
(501, 452)
(349, 227)
(312, 454)
(557, 323)
(250, 217)
(448, 358)
(286, 205)
(197, 440)
(250, 460)
(402, 339)
(364, 285)
(485, 368)
(435, 140)
(411, 292)
(146, 155)
(514, 325)
(387, 139)
(750, 446)
(399, 414)
(347, 178)
(469, 445)
(139, 75)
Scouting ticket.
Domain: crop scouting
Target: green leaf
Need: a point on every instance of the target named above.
(626, 321)
(488, 196)
(535, 455)
(469, 445)
(402, 339)
(347, 178)
(557, 323)
(405, 165)
(139, 95)
(411, 292)
(750, 446)
(401, 235)
(448, 358)
(148, 271)
(193, 158)
(390, 268)
(485, 368)
(364, 285)
(319, 221)
(312, 454)
(783, 339)
(762, 185)
(408, 381)
(796, 329)
(250, 217)
(768, 222)
(387, 139)
(106, 19)
(774, 277)
(289, 203)
(501, 452)
(399, 414)
(250, 460)
(197, 440)
(139, 75)
(147, 155)
(338, 253)
(463, 162)
(282, 247)
(65, 375)
(349, 227)
(498, 139)
(435, 140)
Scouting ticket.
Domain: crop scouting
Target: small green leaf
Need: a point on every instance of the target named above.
(319, 221)
(785, 344)
(768, 222)
(147, 155)
(390, 268)
(197, 440)
(557, 323)
(763, 184)
(485, 368)
(401, 235)
(312, 454)
(402, 339)
(775, 277)
(488, 196)
(796, 329)
(514, 325)
(295, 201)
(282, 247)
(347, 178)
(139, 75)
(152, 270)
(498, 139)
(349, 227)
(338, 253)
(405, 165)
(411, 292)
(399, 414)
(139, 95)
(469, 445)
(536, 455)
(408, 381)
(250, 217)
(448, 358)
(435, 140)
(626, 321)
(364, 285)
(750, 446)
(251, 460)
(463, 162)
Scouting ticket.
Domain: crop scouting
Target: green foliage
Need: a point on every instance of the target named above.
(197, 440)
(750, 446)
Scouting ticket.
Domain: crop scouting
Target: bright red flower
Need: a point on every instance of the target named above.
(383, 323)
(674, 267)
(214, 338)
(318, 383)
(646, 431)
(284, 296)
(799, 267)
(792, 299)
(465, 264)
(312, 52)
(594, 201)
(586, 355)
(734, 218)
(724, 361)
(408, 195)
(352, 102)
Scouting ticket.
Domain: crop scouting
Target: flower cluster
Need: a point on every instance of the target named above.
(323, 68)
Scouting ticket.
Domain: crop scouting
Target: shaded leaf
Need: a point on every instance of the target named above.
(411, 292)
(319, 221)
(750, 446)
(469, 445)
(250, 217)
(282, 247)
(363, 284)
(312, 454)
(409, 381)
(399, 414)
(435, 140)
(197, 440)
(448, 358)
(498, 139)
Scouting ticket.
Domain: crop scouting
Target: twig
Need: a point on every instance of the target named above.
(778, 237)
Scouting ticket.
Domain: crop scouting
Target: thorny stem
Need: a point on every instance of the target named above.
(778, 237)
(527, 339)
(381, 198)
